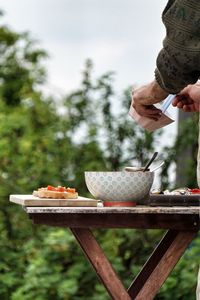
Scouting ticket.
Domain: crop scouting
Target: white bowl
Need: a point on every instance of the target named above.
(120, 187)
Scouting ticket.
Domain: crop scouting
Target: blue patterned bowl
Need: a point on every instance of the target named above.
(118, 188)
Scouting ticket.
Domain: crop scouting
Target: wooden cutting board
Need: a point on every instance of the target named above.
(30, 200)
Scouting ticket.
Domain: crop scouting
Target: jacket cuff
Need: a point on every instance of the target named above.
(161, 83)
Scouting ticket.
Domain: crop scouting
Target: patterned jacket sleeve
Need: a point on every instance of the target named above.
(178, 63)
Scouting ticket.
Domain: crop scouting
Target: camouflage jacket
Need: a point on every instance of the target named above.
(178, 63)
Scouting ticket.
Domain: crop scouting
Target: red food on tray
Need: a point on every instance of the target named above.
(194, 191)
(59, 192)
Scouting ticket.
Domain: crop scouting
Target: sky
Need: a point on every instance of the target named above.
(123, 36)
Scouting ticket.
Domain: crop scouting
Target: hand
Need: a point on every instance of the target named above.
(144, 97)
(188, 99)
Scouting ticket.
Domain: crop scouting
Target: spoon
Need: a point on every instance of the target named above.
(150, 161)
(145, 168)
(135, 169)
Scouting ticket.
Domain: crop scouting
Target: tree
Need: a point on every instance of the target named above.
(187, 146)
(183, 154)
(33, 149)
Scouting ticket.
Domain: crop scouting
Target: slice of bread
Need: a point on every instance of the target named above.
(68, 195)
(44, 193)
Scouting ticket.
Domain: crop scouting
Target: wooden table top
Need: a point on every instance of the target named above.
(119, 217)
(189, 210)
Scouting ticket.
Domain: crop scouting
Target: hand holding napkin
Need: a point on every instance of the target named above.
(150, 124)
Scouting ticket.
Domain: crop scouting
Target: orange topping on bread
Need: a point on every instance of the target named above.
(59, 192)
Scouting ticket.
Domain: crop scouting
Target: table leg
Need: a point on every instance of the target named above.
(160, 264)
(100, 263)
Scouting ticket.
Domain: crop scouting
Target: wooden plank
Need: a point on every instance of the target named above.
(117, 210)
(30, 200)
(101, 264)
(151, 221)
(160, 264)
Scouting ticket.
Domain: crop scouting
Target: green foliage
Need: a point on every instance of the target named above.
(42, 144)
(183, 153)
(184, 276)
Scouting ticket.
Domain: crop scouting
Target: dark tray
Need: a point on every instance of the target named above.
(174, 200)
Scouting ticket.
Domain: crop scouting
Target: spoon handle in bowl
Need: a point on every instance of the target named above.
(150, 161)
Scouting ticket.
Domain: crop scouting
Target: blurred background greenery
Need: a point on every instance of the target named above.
(43, 141)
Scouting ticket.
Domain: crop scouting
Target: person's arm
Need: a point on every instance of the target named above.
(178, 63)
(144, 97)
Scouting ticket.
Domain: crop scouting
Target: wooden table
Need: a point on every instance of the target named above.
(181, 223)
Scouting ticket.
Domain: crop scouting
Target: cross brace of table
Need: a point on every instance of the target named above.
(154, 272)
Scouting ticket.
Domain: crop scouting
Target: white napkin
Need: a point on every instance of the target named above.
(150, 124)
